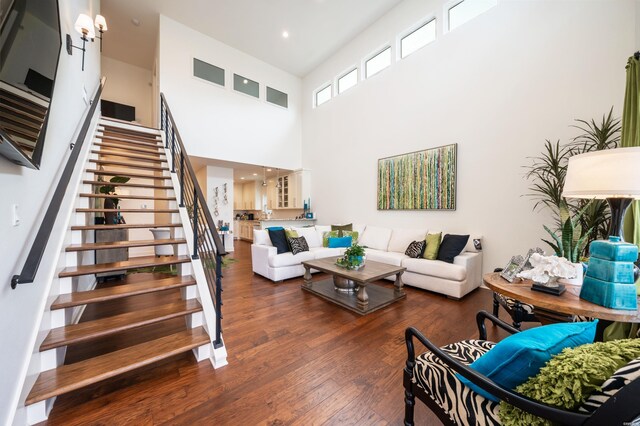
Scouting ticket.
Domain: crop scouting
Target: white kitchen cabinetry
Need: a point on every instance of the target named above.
(272, 195)
(238, 196)
(299, 188)
(246, 229)
(247, 196)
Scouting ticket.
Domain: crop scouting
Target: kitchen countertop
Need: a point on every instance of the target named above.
(287, 220)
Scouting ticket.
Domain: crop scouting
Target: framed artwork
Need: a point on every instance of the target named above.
(514, 266)
(421, 180)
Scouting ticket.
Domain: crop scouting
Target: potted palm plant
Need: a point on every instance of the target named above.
(113, 201)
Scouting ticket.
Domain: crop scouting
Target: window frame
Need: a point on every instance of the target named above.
(343, 74)
(322, 87)
(200, 79)
(406, 33)
(376, 53)
(450, 5)
(266, 96)
(260, 90)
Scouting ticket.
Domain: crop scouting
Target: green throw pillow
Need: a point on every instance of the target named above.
(568, 379)
(340, 228)
(327, 235)
(433, 245)
(352, 234)
(290, 233)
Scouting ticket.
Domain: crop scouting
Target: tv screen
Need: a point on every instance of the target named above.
(118, 111)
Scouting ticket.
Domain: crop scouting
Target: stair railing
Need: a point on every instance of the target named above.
(32, 263)
(207, 243)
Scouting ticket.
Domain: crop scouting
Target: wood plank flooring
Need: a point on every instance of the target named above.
(293, 359)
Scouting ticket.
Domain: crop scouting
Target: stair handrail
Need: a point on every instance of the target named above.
(32, 263)
(207, 243)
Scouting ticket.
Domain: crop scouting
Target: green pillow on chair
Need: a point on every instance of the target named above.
(568, 379)
(433, 244)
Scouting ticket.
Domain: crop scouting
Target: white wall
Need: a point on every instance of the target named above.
(217, 177)
(130, 85)
(20, 309)
(218, 122)
(498, 86)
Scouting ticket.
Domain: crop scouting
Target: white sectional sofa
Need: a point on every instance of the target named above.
(384, 245)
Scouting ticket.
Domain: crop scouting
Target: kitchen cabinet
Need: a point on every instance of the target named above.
(294, 189)
(236, 229)
(246, 229)
(238, 196)
(272, 195)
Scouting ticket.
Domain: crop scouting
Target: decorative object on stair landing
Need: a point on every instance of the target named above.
(421, 180)
(114, 217)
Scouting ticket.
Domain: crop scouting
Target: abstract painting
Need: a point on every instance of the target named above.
(421, 180)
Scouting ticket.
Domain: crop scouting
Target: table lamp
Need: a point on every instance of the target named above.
(611, 174)
(614, 175)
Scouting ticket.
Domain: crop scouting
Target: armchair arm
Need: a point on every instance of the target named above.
(482, 330)
(526, 404)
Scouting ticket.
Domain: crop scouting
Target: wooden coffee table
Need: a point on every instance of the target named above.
(368, 297)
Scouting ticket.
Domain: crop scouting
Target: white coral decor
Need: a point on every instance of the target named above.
(547, 267)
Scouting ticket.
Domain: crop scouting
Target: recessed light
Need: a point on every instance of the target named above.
(268, 170)
(285, 34)
(245, 81)
(255, 174)
(241, 178)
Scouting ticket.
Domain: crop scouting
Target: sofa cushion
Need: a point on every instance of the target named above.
(289, 259)
(261, 237)
(327, 235)
(520, 356)
(433, 246)
(401, 238)
(388, 257)
(435, 268)
(337, 242)
(415, 249)
(279, 240)
(451, 246)
(474, 245)
(311, 235)
(377, 238)
(298, 245)
(359, 228)
(340, 228)
(322, 252)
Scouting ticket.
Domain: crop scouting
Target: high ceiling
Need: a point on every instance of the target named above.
(317, 28)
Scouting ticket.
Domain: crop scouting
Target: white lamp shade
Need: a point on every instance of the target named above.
(101, 23)
(611, 173)
(84, 24)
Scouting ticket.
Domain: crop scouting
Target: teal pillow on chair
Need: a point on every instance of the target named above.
(520, 356)
(338, 242)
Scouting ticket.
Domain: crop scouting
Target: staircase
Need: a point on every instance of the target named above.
(21, 118)
(148, 200)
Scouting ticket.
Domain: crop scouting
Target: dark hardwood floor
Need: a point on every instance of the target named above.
(294, 358)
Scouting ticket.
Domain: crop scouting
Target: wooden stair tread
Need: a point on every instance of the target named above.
(133, 185)
(132, 263)
(124, 226)
(134, 142)
(125, 173)
(116, 292)
(124, 244)
(74, 376)
(155, 159)
(84, 331)
(129, 197)
(126, 164)
(128, 210)
(112, 145)
(108, 122)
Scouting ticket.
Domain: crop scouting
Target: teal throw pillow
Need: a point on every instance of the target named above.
(339, 242)
(327, 235)
(520, 356)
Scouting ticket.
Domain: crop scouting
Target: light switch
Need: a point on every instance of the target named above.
(14, 215)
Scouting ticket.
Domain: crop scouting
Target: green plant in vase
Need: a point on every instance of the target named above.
(112, 202)
(353, 257)
(572, 239)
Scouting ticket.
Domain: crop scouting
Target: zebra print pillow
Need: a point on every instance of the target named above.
(620, 378)
(415, 249)
(298, 245)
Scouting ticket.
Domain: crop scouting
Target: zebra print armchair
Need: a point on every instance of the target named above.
(430, 377)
